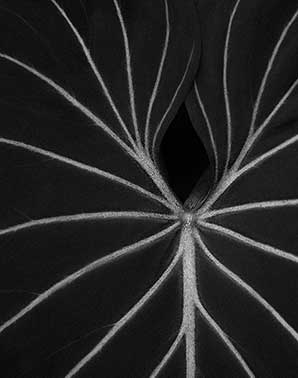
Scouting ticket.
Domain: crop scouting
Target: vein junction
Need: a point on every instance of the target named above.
(191, 243)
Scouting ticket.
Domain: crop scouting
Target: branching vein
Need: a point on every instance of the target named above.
(266, 155)
(73, 101)
(269, 69)
(232, 176)
(253, 134)
(224, 337)
(169, 353)
(250, 242)
(110, 258)
(217, 328)
(94, 69)
(126, 318)
(248, 289)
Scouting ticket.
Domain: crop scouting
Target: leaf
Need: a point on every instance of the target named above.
(91, 242)
(243, 106)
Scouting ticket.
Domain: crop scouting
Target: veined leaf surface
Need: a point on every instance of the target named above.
(244, 106)
(105, 273)
(90, 240)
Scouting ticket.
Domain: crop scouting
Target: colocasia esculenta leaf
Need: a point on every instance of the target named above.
(91, 241)
(104, 273)
(244, 107)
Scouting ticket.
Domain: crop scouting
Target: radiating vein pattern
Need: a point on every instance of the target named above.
(138, 155)
(238, 168)
(127, 317)
(255, 131)
(130, 144)
(140, 143)
(108, 259)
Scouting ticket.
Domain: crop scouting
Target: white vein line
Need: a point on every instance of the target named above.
(169, 353)
(225, 84)
(89, 169)
(224, 337)
(126, 318)
(191, 347)
(252, 136)
(274, 111)
(251, 206)
(94, 69)
(234, 175)
(217, 328)
(67, 96)
(250, 290)
(129, 72)
(137, 157)
(156, 177)
(234, 172)
(269, 68)
(105, 215)
(250, 141)
(267, 155)
(172, 101)
(211, 136)
(250, 242)
(157, 82)
(110, 258)
(189, 290)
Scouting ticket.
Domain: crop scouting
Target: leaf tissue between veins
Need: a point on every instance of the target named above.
(148, 188)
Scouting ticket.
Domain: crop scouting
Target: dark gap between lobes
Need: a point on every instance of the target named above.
(182, 155)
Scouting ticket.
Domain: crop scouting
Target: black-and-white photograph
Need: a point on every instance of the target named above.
(148, 188)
